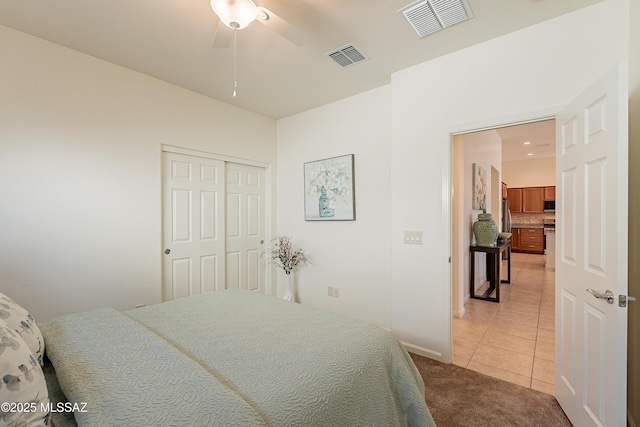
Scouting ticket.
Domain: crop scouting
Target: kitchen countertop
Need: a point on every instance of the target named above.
(526, 226)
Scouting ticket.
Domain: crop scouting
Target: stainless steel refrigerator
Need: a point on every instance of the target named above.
(506, 216)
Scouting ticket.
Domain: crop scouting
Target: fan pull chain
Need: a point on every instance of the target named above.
(235, 61)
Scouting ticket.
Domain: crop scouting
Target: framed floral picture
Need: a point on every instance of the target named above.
(329, 189)
(479, 187)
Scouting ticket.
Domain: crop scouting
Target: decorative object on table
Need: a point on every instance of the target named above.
(329, 189)
(504, 236)
(284, 256)
(479, 187)
(485, 230)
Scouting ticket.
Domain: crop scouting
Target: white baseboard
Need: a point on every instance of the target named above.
(459, 313)
(421, 351)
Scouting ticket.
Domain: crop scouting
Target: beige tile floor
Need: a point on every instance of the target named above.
(512, 340)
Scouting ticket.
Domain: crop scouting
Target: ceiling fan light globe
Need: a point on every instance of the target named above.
(236, 14)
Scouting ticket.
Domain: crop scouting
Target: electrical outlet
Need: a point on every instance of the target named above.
(330, 291)
(336, 292)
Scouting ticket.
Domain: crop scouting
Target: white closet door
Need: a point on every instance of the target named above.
(245, 227)
(193, 222)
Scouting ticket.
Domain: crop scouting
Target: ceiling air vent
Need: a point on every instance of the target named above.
(429, 16)
(347, 55)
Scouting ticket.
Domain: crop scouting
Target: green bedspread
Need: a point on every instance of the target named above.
(233, 358)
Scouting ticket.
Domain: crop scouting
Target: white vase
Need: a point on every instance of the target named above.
(288, 288)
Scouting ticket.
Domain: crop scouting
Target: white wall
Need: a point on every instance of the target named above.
(519, 75)
(354, 256)
(80, 151)
(485, 149)
(530, 173)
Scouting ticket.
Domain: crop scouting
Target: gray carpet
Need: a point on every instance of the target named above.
(460, 397)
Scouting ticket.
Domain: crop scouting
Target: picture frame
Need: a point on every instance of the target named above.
(329, 189)
(479, 187)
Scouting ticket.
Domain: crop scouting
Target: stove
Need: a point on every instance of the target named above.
(549, 224)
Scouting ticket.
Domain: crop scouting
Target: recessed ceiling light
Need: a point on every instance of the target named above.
(529, 154)
(527, 142)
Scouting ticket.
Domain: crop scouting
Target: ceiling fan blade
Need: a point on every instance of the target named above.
(222, 37)
(280, 26)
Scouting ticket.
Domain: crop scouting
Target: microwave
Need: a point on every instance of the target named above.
(549, 205)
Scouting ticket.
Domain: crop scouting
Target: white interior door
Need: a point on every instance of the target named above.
(193, 221)
(591, 253)
(245, 203)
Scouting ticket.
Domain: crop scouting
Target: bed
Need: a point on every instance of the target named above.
(228, 358)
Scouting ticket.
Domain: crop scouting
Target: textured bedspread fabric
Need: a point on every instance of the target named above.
(128, 376)
(234, 358)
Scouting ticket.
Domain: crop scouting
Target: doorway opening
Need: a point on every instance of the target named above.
(513, 338)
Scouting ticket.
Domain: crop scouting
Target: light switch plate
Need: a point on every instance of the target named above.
(412, 237)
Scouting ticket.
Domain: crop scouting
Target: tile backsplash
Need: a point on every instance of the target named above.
(527, 218)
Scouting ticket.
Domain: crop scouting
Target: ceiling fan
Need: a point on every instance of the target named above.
(238, 14)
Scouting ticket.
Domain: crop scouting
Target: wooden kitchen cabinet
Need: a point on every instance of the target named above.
(515, 239)
(531, 240)
(514, 195)
(550, 193)
(533, 200)
(529, 199)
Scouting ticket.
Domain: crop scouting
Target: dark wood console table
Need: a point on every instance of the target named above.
(494, 255)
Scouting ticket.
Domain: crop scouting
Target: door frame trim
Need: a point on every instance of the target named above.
(270, 289)
(208, 155)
